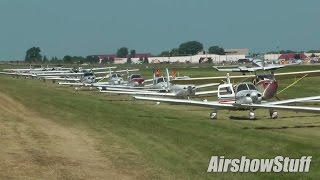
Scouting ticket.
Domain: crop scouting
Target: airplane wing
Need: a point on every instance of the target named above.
(62, 79)
(241, 78)
(61, 74)
(273, 67)
(115, 88)
(101, 68)
(188, 102)
(288, 101)
(71, 84)
(9, 73)
(237, 69)
(232, 106)
(217, 79)
(140, 93)
(300, 74)
(77, 84)
(17, 73)
(102, 72)
(207, 85)
(283, 107)
(205, 92)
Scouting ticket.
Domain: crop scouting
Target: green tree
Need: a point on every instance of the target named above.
(216, 50)
(33, 55)
(67, 59)
(190, 48)
(164, 54)
(92, 59)
(313, 51)
(286, 51)
(45, 59)
(133, 53)
(122, 52)
(174, 52)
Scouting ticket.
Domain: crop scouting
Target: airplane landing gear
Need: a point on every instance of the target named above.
(213, 115)
(252, 115)
(273, 114)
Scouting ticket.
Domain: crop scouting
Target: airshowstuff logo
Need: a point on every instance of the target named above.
(277, 164)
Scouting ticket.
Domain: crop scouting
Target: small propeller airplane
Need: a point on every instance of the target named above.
(257, 64)
(243, 96)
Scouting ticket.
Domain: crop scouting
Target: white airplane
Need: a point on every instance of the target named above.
(243, 96)
(163, 87)
(258, 64)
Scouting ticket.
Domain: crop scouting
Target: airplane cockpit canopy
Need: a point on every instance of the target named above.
(161, 79)
(88, 74)
(135, 76)
(245, 86)
(116, 75)
(264, 77)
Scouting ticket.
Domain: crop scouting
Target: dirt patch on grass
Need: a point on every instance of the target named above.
(33, 147)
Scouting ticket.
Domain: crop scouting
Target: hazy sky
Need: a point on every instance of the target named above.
(85, 27)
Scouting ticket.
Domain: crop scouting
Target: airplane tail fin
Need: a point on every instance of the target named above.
(168, 78)
(154, 76)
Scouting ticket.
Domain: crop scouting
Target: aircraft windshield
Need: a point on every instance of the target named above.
(242, 87)
(135, 76)
(115, 75)
(264, 77)
(88, 74)
(159, 80)
(252, 87)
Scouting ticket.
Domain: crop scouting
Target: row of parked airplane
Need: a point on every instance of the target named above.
(251, 91)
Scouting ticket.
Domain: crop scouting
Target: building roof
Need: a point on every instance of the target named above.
(292, 56)
(106, 56)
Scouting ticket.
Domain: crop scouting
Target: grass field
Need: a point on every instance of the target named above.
(140, 140)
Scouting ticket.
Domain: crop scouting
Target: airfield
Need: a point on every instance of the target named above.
(49, 132)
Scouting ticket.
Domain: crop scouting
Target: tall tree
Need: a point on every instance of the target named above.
(33, 55)
(67, 59)
(133, 53)
(190, 48)
(44, 59)
(93, 59)
(122, 52)
(216, 50)
(174, 52)
(164, 54)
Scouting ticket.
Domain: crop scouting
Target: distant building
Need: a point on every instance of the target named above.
(113, 56)
(121, 60)
(271, 56)
(291, 56)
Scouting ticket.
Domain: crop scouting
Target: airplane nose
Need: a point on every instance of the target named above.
(191, 90)
(254, 96)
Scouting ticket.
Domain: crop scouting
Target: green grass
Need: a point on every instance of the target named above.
(177, 141)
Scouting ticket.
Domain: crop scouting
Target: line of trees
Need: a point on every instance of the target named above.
(290, 51)
(192, 48)
(33, 55)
